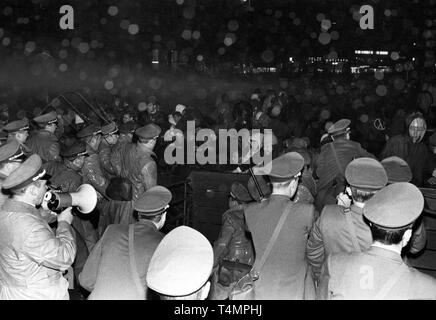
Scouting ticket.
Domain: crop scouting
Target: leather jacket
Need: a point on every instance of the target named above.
(32, 256)
(104, 152)
(45, 144)
(232, 243)
(92, 172)
(139, 167)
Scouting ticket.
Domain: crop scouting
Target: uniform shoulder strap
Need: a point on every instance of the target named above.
(351, 229)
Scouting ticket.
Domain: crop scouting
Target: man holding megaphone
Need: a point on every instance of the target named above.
(37, 254)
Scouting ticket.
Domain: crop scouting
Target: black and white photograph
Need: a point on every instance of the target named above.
(229, 152)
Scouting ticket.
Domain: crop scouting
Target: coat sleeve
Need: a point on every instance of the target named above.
(418, 239)
(54, 152)
(323, 290)
(226, 234)
(53, 251)
(88, 276)
(92, 173)
(149, 175)
(315, 249)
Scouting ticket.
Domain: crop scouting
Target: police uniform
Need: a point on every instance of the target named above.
(379, 273)
(181, 264)
(43, 142)
(399, 171)
(9, 152)
(110, 268)
(16, 126)
(32, 257)
(332, 161)
(67, 179)
(105, 150)
(92, 171)
(138, 166)
(285, 274)
(340, 229)
(232, 243)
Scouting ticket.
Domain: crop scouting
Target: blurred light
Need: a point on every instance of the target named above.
(124, 24)
(63, 67)
(196, 35)
(133, 29)
(112, 11)
(109, 85)
(6, 41)
(83, 47)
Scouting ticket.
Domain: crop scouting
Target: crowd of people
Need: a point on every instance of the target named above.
(328, 221)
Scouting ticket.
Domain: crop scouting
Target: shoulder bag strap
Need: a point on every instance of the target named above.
(352, 231)
(274, 236)
(133, 267)
(392, 281)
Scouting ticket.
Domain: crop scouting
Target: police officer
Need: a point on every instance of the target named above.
(138, 164)
(11, 157)
(341, 229)
(181, 266)
(91, 170)
(19, 131)
(66, 178)
(232, 244)
(117, 266)
(398, 170)
(32, 256)
(126, 131)
(109, 139)
(332, 161)
(380, 273)
(44, 142)
(285, 272)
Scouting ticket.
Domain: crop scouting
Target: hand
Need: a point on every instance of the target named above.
(66, 216)
(343, 200)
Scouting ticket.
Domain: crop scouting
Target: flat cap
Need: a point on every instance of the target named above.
(128, 127)
(239, 192)
(339, 127)
(150, 131)
(17, 125)
(396, 205)
(30, 171)
(11, 151)
(77, 149)
(284, 167)
(153, 201)
(397, 169)
(89, 130)
(109, 128)
(181, 264)
(46, 118)
(366, 173)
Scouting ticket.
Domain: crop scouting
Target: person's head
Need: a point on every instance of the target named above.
(27, 183)
(127, 117)
(11, 157)
(153, 204)
(180, 108)
(147, 135)
(340, 129)
(18, 130)
(110, 133)
(397, 169)
(365, 176)
(126, 130)
(177, 116)
(238, 195)
(74, 155)
(91, 135)
(417, 127)
(285, 173)
(181, 266)
(392, 212)
(47, 121)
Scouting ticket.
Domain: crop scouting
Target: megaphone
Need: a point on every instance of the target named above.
(85, 199)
